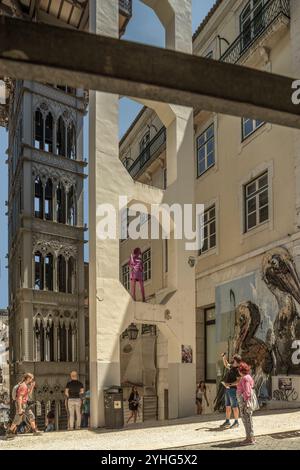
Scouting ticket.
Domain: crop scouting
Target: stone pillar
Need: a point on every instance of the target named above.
(295, 50)
(103, 147)
(111, 308)
(176, 16)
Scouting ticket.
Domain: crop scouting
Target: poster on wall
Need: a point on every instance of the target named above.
(186, 354)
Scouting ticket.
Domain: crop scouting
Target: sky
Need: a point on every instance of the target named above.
(145, 28)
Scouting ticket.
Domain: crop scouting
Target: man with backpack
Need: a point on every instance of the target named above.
(21, 394)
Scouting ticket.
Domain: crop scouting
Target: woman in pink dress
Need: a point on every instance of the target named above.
(136, 272)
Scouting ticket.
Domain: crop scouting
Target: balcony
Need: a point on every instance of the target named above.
(125, 13)
(149, 154)
(274, 11)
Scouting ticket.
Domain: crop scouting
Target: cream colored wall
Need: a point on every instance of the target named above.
(271, 147)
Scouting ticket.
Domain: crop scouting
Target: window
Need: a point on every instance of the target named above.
(71, 215)
(251, 22)
(126, 276)
(147, 264)
(61, 204)
(124, 223)
(205, 150)
(49, 272)
(71, 275)
(145, 141)
(210, 344)
(71, 141)
(49, 133)
(48, 200)
(39, 271)
(249, 126)
(38, 198)
(256, 202)
(38, 130)
(208, 224)
(61, 273)
(61, 137)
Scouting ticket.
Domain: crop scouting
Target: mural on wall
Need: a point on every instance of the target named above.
(281, 277)
(257, 317)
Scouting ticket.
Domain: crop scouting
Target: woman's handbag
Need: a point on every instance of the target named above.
(252, 403)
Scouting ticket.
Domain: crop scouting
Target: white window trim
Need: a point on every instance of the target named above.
(266, 127)
(214, 250)
(214, 120)
(269, 224)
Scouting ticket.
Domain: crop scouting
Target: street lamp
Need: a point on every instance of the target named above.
(132, 331)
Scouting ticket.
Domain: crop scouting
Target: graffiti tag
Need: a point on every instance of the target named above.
(285, 395)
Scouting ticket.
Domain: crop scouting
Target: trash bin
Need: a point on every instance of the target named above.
(113, 406)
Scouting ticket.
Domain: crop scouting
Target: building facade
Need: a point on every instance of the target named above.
(4, 357)
(48, 302)
(246, 175)
(46, 237)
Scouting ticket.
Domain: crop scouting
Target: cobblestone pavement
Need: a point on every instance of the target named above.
(281, 428)
(284, 441)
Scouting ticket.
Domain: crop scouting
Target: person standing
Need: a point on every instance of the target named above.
(231, 381)
(74, 394)
(23, 393)
(134, 401)
(136, 272)
(244, 393)
(200, 394)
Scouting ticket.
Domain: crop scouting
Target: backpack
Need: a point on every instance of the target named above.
(15, 391)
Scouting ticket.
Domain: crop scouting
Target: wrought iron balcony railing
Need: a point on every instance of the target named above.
(125, 7)
(153, 149)
(259, 24)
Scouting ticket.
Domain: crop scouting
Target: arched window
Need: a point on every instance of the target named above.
(38, 130)
(71, 216)
(71, 275)
(49, 343)
(39, 271)
(61, 204)
(49, 133)
(49, 200)
(62, 338)
(38, 198)
(61, 273)
(49, 272)
(71, 141)
(61, 137)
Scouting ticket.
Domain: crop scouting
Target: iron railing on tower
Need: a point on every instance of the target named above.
(269, 13)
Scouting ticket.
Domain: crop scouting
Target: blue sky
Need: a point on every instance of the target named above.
(145, 28)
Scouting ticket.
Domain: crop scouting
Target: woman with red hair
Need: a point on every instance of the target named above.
(244, 395)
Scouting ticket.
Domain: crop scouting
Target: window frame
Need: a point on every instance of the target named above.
(126, 283)
(256, 194)
(255, 129)
(208, 223)
(208, 323)
(148, 263)
(206, 141)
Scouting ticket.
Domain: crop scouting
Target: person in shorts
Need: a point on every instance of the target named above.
(230, 383)
(23, 412)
